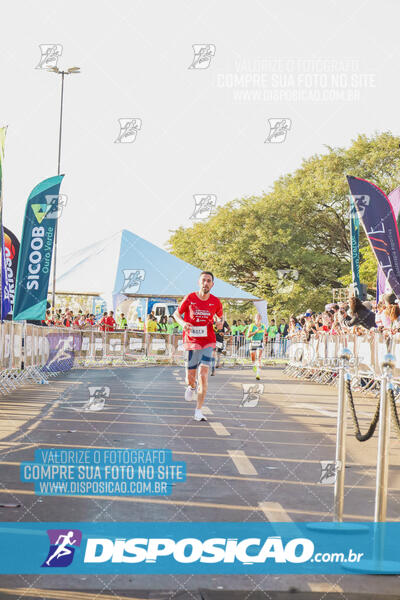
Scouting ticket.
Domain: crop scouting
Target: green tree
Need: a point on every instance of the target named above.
(300, 226)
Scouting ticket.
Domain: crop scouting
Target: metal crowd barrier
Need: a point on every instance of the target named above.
(318, 359)
(30, 353)
(236, 350)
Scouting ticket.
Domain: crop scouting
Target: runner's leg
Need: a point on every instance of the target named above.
(191, 378)
(253, 359)
(205, 363)
(213, 363)
(191, 364)
(203, 385)
(258, 367)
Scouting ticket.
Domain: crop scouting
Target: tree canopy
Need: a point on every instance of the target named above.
(299, 229)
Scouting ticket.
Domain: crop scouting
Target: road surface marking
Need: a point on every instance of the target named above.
(207, 411)
(241, 478)
(242, 463)
(321, 411)
(175, 503)
(62, 594)
(219, 429)
(150, 424)
(275, 513)
(325, 587)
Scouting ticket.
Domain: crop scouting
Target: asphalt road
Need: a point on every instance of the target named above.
(244, 464)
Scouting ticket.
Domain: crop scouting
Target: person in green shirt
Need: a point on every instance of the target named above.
(272, 332)
(170, 325)
(122, 322)
(256, 333)
(234, 328)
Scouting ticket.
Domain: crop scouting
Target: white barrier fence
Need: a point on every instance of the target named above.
(318, 358)
(30, 352)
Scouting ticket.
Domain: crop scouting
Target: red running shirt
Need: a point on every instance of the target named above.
(200, 314)
(110, 323)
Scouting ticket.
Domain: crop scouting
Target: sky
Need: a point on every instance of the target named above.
(206, 117)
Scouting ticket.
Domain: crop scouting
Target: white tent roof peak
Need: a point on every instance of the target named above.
(126, 264)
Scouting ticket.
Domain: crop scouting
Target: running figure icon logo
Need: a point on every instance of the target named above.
(278, 129)
(62, 547)
(361, 202)
(286, 279)
(203, 54)
(204, 206)
(128, 129)
(50, 53)
(329, 470)
(132, 280)
(97, 398)
(251, 394)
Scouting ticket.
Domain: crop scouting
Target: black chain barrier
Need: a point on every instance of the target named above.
(371, 430)
(395, 414)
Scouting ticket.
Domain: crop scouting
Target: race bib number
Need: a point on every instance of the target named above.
(198, 331)
(219, 344)
(256, 344)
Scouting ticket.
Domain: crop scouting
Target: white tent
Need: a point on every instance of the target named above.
(125, 265)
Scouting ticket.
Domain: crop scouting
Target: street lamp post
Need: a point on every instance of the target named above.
(70, 71)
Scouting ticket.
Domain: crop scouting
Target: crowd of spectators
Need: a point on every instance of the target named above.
(80, 320)
(353, 316)
(342, 317)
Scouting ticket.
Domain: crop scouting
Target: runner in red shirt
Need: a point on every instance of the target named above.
(103, 321)
(110, 322)
(198, 310)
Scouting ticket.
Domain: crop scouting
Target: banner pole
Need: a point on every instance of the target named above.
(53, 299)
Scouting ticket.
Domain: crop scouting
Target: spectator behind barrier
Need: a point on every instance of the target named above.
(360, 314)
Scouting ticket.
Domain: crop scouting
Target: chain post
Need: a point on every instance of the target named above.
(383, 441)
(340, 458)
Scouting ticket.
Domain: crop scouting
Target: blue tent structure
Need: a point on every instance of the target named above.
(125, 265)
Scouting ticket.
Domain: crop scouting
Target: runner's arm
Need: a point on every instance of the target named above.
(185, 326)
(219, 317)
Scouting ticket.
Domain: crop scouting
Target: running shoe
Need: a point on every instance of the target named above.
(258, 374)
(254, 368)
(198, 415)
(189, 393)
